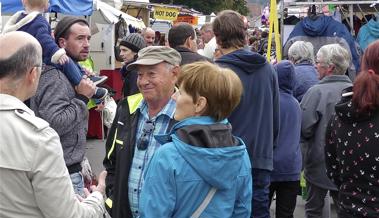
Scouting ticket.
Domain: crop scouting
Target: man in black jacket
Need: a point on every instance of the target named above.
(182, 37)
(131, 143)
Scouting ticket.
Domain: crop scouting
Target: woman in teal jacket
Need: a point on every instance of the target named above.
(200, 155)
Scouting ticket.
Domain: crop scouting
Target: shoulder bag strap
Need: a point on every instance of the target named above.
(205, 203)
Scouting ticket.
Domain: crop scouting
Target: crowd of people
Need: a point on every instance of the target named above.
(214, 132)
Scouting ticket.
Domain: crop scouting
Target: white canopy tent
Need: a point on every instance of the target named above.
(112, 15)
(103, 28)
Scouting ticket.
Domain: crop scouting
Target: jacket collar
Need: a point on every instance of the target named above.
(9, 102)
(335, 78)
(183, 49)
(202, 120)
(14, 24)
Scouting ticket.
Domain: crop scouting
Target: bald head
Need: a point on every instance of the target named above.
(149, 36)
(19, 52)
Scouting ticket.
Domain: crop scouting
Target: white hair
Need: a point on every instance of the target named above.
(301, 51)
(336, 55)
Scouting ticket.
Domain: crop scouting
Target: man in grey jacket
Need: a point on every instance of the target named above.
(317, 108)
(62, 105)
(34, 179)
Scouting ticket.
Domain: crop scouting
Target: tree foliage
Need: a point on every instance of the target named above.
(209, 6)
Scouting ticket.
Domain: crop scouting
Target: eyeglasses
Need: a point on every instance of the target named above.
(148, 128)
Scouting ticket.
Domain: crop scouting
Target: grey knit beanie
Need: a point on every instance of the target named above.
(64, 24)
(134, 42)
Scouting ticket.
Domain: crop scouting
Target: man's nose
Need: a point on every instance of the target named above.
(86, 43)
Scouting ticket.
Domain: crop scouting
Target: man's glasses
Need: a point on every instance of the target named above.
(148, 128)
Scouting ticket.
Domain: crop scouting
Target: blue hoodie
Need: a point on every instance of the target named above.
(306, 76)
(368, 33)
(322, 31)
(256, 118)
(197, 155)
(287, 154)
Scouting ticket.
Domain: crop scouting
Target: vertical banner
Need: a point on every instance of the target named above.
(274, 27)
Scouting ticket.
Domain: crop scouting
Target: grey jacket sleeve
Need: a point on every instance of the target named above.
(57, 103)
(52, 186)
(310, 113)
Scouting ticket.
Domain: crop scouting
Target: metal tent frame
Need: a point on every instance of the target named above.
(351, 4)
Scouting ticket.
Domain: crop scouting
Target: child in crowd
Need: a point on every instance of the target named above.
(32, 22)
(285, 177)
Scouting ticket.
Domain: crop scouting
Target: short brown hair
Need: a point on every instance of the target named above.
(366, 85)
(229, 29)
(220, 86)
(179, 33)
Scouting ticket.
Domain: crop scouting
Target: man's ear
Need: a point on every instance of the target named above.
(201, 105)
(331, 68)
(187, 43)
(175, 72)
(33, 75)
(62, 43)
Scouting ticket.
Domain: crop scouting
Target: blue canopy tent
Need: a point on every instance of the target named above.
(72, 7)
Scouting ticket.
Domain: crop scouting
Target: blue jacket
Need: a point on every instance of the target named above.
(306, 76)
(197, 155)
(36, 25)
(256, 118)
(368, 33)
(322, 31)
(287, 154)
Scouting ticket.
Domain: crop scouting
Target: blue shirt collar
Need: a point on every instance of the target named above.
(167, 110)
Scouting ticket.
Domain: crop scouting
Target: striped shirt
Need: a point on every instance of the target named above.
(142, 157)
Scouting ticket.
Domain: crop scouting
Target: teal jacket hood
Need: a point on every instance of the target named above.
(374, 27)
(209, 148)
(368, 33)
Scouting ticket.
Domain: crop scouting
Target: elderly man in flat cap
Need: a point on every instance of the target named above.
(131, 144)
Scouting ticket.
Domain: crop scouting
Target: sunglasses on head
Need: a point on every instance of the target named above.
(148, 128)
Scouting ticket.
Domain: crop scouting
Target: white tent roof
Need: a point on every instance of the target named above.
(111, 14)
(135, 1)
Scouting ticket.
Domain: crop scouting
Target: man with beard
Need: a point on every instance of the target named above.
(63, 106)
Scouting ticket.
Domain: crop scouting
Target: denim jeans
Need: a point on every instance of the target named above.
(78, 183)
(73, 72)
(261, 190)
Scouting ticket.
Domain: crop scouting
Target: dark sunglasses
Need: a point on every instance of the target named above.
(148, 128)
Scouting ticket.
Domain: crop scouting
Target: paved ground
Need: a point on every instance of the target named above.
(96, 153)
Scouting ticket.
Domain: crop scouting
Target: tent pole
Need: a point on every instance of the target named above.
(363, 15)
(351, 19)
